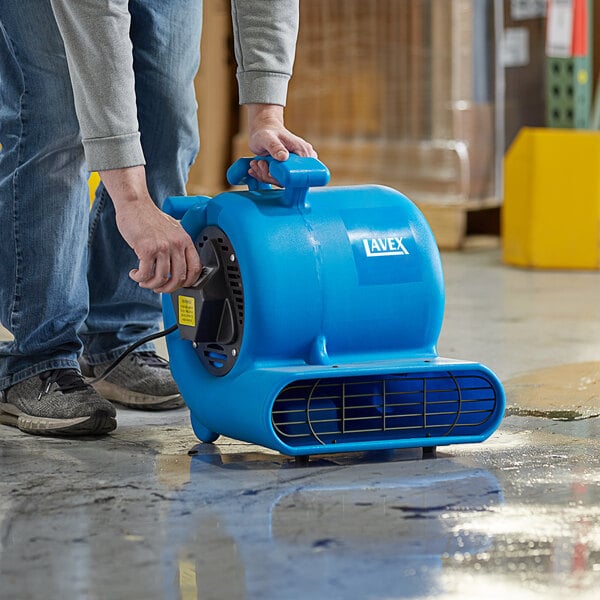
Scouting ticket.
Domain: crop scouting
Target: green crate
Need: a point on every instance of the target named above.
(569, 92)
(569, 87)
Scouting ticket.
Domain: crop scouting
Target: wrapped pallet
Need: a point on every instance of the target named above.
(402, 93)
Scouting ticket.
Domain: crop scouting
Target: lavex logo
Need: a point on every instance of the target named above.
(389, 246)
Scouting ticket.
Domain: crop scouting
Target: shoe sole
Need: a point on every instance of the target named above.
(100, 423)
(137, 400)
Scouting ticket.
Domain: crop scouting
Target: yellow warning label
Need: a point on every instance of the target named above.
(187, 311)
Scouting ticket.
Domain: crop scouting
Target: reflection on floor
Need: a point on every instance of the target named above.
(150, 513)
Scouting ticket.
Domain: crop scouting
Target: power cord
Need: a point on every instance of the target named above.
(129, 350)
(202, 280)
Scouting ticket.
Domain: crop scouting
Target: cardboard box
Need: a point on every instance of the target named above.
(389, 91)
(401, 93)
(216, 91)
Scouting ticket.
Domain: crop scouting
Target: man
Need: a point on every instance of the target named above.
(107, 86)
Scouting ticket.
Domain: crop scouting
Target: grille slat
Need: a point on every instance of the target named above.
(355, 409)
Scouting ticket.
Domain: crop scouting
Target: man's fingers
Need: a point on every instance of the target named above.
(280, 152)
(278, 143)
(159, 276)
(281, 143)
(169, 272)
(259, 169)
(145, 270)
(185, 270)
(193, 265)
(177, 276)
(162, 272)
(297, 145)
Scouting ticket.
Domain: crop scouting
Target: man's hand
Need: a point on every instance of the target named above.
(268, 135)
(168, 258)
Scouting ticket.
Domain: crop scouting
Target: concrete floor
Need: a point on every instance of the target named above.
(150, 513)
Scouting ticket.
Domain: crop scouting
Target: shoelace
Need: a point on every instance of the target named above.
(151, 359)
(144, 358)
(67, 380)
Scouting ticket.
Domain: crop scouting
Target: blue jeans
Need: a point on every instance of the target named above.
(64, 285)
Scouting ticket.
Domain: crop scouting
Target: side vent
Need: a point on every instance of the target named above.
(364, 409)
(220, 321)
(215, 355)
(234, 281)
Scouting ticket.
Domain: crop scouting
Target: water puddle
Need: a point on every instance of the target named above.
(562, 393)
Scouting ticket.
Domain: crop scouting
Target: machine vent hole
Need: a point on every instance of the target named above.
(362, 409)
(234, 281)
(215, 356)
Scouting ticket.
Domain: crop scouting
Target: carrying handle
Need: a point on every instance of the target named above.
(296, 174)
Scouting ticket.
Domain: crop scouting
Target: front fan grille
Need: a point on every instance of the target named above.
(361, 409)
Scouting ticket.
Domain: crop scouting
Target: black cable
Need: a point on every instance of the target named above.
(129, 350)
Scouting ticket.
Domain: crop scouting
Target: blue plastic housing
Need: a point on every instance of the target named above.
(342, 307)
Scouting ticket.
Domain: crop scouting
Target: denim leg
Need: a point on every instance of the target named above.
(43, 208)
(166, 43)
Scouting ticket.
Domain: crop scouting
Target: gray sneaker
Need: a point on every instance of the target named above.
(57, 402)
(142, 380)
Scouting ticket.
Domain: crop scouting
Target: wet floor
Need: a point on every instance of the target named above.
(151, 513)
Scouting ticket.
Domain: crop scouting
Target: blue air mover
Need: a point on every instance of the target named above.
(313, 328)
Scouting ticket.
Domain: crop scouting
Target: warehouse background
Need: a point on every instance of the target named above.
(423, 95)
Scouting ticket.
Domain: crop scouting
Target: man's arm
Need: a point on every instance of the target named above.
(167, 256)
(99, 53)
(265, 34)
(100, 58)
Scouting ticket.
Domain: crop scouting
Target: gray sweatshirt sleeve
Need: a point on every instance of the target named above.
(100, 58)
(265, 33)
